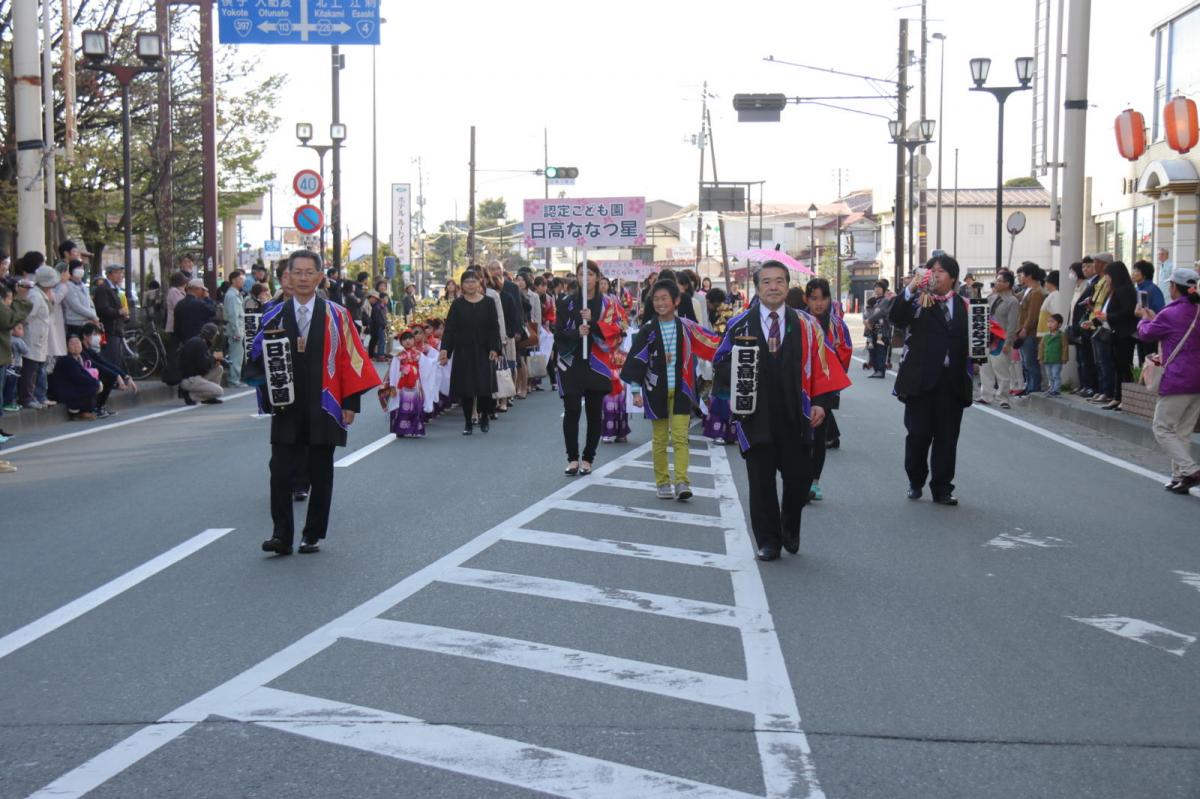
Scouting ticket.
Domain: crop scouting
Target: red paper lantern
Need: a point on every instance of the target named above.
(1131, 134)
(1179, 118)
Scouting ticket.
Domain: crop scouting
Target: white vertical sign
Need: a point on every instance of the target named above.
(401, 223)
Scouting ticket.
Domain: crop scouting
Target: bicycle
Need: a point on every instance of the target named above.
(143, 353)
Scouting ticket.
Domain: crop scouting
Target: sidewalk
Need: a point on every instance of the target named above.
(1118, 424)
(150, 392)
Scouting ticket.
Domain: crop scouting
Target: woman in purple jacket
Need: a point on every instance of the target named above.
(1177, 329)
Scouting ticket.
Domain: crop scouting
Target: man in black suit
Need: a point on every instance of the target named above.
(934, 379)
(777, 437)
(306, 431)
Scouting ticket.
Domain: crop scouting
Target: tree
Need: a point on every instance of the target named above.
(445, 250)
(1023, 183)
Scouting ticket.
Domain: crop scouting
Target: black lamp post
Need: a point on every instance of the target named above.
(924, 135)
(979, 74)
(149, 50)
(304, 132)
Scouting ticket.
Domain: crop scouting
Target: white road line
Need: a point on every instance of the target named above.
(783, 747)
(503, 760)
(73, 610)
(625, 599)
(650, 514)
(358, 454)
(637, 485)
(692, 686)
(606, 546)
(692, 468)
(1112, 460)
(103, 428)
(1143, 632)
(1189, 578)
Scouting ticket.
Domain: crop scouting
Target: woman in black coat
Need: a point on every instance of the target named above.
(1118, 314)
(472, 337)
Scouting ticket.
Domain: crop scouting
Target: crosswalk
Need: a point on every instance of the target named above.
(260, 695)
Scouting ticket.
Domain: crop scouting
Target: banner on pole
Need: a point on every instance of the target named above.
(586, 222)
(625, 270)
(401, 226)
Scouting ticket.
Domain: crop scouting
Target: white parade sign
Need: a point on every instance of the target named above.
(401, 226)
(586, 222)
(625, 270)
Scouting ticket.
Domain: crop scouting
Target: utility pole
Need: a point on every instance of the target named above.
(471, 211)
(51, 182)
(922, 222)
(422, 278)
(27, 101)
(1074, 141)
(374, 173)
(700, 186)
(208, 143)
(901, 116)
(837, 240)
(548, 252)
(712, 149)
(335, 209)
(955, 223)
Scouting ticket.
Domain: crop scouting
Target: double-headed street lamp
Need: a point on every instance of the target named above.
(919, 134)
(337, 133)
(979, 74)
(149, 50)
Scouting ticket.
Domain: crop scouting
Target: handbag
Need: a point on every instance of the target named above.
(505, 387)
(537, 365)
(1152, 372)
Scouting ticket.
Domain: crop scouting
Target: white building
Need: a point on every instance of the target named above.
(973, 242)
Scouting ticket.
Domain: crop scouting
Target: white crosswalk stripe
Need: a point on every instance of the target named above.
(765, 691)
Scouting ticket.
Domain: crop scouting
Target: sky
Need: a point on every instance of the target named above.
(618, 87)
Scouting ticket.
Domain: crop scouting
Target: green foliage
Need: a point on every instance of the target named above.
(1023, 183)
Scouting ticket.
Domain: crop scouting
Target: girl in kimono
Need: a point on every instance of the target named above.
(614, 415)
(402, 392)
(837, 340)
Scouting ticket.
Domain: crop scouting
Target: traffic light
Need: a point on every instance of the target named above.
(561, 173)
(759, 107)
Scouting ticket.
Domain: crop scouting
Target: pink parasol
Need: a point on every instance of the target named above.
(761, 256)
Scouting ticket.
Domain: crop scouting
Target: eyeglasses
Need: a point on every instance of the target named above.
(303, 273)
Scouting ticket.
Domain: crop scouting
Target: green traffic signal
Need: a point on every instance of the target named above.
(551, 172)
(561, 172)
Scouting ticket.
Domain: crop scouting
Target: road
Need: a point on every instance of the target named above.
(480, 626)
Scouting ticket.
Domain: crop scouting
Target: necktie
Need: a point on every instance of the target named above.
(945, 307)
(773, 334)
(302, 320)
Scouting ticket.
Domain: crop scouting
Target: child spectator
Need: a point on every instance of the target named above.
(662, 363)
(1053, 352)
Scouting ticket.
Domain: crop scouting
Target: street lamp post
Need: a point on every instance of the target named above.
(979, 74)
(304, 132)
(941, 37)
(923, 131)
(812, 236)
(149, 50)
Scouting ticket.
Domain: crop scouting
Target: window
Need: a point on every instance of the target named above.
(643, 254)
(1177, 64)
(975, 230)
(1143, 244)
(760, 235)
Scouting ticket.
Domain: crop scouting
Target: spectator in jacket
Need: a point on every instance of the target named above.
(1031, 276)
(111, 375)
(1143, 280)
(112, 309)
(378, 326)
(6, 276)
(78, 308)
(68, 253)
(1085, 358)
(193, 311)
(996, 376)
(75, 382)
(1117, 317)
(1101, 340)
(1053, 351)
(879, 329)
(1177, 331)
(14, 307)
(409, 304)
(200, 368)
(37, 337)
(235, 326)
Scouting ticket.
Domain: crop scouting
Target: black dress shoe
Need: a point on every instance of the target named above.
(483, 425)
(913, 492)
(277, 546)
(792, 545)
(308, 546)
(299, 494)
(835, 444)
(468, 430)
(947, 499)
(767, 553)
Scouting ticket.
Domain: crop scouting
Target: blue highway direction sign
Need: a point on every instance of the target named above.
(299, 21)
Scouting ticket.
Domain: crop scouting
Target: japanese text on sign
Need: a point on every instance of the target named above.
(745, 380)
(277, 358)
(252, 320)
(980, 329)
(625, 270)
(594, 222)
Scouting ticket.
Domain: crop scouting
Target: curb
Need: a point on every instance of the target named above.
(150, 392)
(1118, 424)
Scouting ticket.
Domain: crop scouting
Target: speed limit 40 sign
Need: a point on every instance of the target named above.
(307, 183)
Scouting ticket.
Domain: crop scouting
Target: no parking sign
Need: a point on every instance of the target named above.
(308, 219)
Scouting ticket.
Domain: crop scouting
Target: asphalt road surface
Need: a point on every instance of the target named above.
(478, 625)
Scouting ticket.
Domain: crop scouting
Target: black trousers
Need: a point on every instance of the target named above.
(107, 381)
(1086, 359)
(828, 431)
(469, 404)
(933, 421)
(786, 456)
(1123, 347)
(287, 462)
(593, 401)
